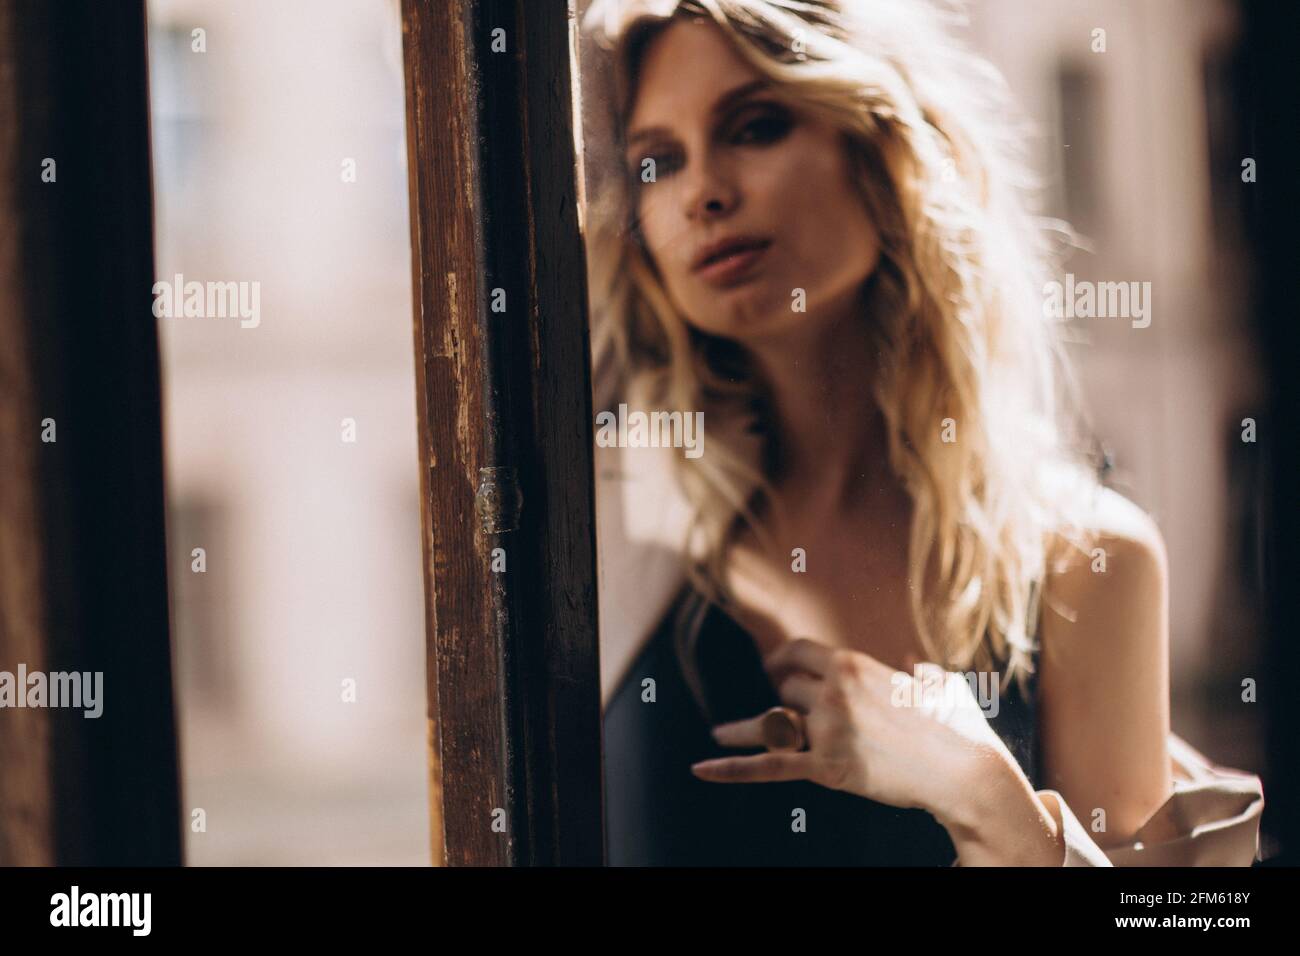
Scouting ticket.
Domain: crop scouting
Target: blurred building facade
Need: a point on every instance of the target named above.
(279, 158)
(1142, 147)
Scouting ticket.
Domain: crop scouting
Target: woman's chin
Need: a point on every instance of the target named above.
(753, 325)
(742, 314)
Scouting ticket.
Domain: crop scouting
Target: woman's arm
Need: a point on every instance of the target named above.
(996, 819)
(1104, 680)
(1103, 694)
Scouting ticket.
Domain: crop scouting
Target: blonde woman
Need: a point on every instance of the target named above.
(895, 646)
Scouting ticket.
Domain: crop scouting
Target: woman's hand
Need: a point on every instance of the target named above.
(871, 730)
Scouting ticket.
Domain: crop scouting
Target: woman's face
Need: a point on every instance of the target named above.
(732, 162)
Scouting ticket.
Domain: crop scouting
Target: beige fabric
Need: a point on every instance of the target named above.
(1211, 819)
(640, 524)
(641, 521)
(1080, 850)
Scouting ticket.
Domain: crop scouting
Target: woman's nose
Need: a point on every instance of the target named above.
(709, 197)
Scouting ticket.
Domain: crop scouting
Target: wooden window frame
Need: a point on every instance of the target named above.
(504, 412)
(83, 563)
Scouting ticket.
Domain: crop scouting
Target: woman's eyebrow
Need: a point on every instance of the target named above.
(721, 105)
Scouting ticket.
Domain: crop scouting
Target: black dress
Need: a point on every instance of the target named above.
(660, 814)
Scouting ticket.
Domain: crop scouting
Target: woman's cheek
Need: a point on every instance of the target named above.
(685, 294)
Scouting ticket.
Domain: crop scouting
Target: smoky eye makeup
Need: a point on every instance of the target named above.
(761, 123)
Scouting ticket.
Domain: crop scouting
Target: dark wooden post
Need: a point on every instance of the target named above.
(82, 559)
(503, 378)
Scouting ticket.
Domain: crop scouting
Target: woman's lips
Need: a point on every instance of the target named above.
(733, 268)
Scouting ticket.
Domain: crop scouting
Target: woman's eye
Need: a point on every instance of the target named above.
(764, 129)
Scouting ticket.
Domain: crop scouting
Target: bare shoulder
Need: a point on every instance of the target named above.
(1121, 558)
(1104, 669)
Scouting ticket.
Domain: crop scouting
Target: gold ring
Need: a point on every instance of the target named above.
(783, 730)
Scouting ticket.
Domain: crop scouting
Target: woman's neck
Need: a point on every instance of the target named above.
(830, 435)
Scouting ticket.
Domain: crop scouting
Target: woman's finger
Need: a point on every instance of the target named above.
(800, 690)
(761, 768)
(802, 653)
(740, 733)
